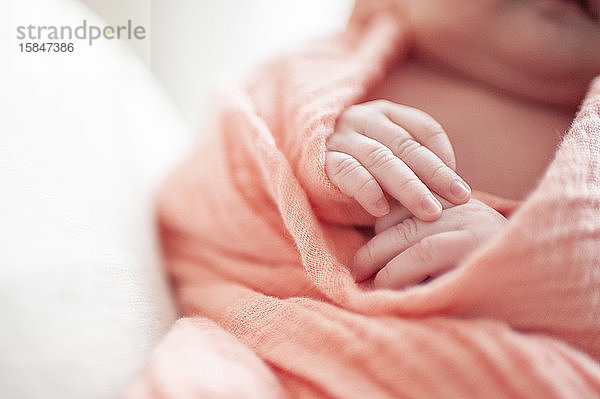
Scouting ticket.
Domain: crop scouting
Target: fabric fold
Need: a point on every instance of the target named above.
(256, 239)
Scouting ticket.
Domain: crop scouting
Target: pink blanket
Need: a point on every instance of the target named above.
(256, 238)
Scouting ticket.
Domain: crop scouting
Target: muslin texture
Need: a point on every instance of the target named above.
(256, 239)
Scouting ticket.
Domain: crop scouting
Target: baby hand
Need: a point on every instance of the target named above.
(411, 251)
(381, 146)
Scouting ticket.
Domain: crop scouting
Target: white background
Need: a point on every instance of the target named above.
(195, 43)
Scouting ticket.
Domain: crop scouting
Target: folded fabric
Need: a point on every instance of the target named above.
(256, 238)
(199, 359)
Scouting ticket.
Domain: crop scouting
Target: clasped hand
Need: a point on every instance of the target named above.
(398, 163)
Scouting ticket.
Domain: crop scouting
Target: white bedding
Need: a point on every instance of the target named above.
(82, 151)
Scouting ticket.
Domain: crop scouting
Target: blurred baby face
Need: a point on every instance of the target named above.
(544, 49)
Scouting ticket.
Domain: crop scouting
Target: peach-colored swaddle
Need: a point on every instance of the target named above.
(256, 239)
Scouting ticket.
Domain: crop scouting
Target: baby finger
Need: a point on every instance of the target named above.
(392, 174)
(355, 181)
(432, 256)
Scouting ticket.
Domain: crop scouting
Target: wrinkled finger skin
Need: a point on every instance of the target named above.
(430, 257)
(395, 255)
(404, 152)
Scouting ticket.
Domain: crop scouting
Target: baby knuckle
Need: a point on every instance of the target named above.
(371, 125)
(379, 157)
(433, 131)
(410, 185)
(381, 104)
(345, 168)
(366, 188)
(405, 148)
(418, 255)
(429, 124)
(438, 171)
(405, 231)
(398, 142)
(433, 128)
(357, 113)
(472, 239)
(411, 227)
(424, 251)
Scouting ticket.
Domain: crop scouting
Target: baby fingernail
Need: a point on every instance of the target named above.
(460, 189)
(383, 206)
(431, 205)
